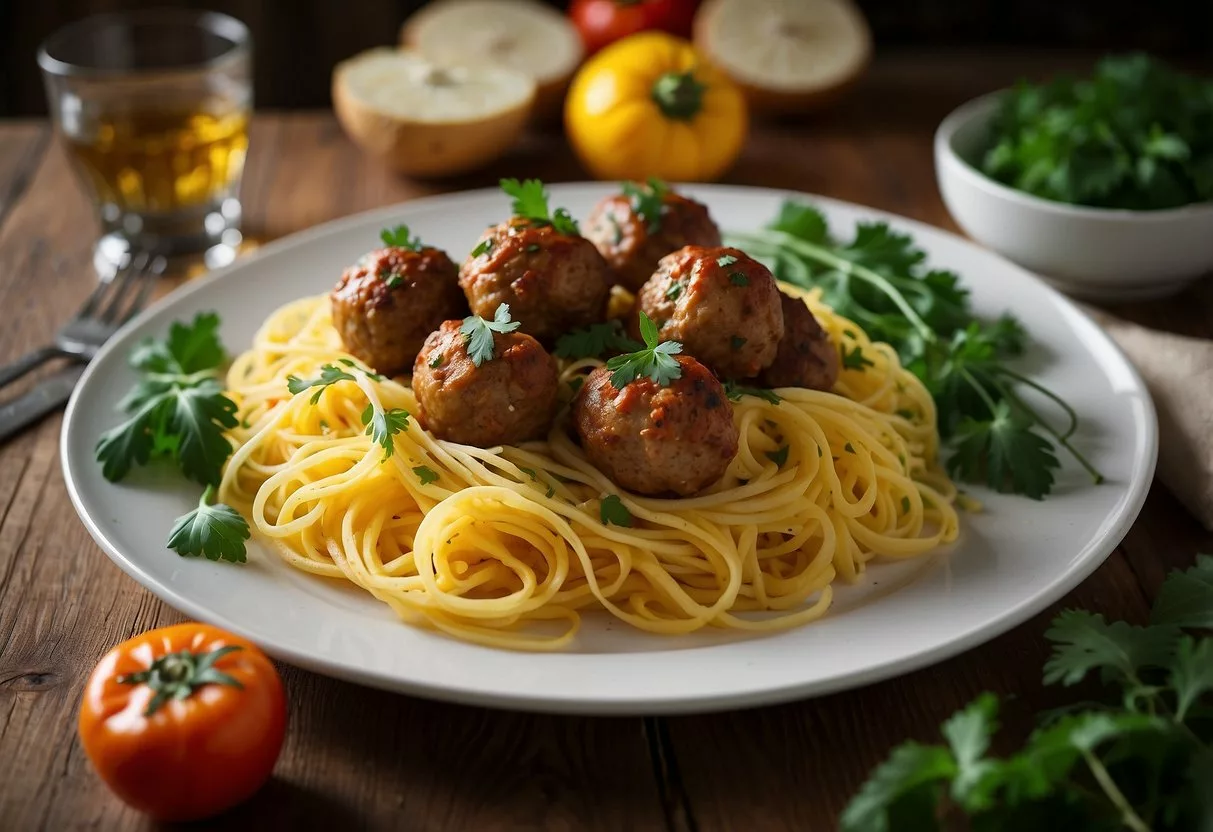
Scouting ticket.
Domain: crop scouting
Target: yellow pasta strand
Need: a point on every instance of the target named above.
(506, 547)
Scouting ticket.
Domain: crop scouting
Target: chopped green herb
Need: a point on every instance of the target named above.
(531, 203)
(849, 448)
(780, 456)
(613, 511)
(738, 279)
(551, 490)
(398, 237)
(673, 291)
(854, 359)
(533, 247)
(426, 474)
(647, 201)
(437, 361)
(483, 247)
(735, 391)
(905, 505)
(617, 237)
(530, 472)
(593, 340)
(329, 374)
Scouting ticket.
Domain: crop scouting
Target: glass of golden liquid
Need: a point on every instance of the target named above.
(154, 109)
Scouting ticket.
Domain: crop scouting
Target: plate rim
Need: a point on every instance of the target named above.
(1093, 554)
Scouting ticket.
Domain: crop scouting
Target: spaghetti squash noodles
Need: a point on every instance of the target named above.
(507, 546)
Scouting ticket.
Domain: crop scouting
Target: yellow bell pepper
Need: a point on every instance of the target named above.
(649, 105)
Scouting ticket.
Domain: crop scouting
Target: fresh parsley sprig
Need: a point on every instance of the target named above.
(531, 204)
(478, 333)
(648, 201)
(383, 424)
(1141, 761)
(879, 279)
(398, 237)
(612, 511)
(178, 412)
(656, 360)
(735, 391)
(594, 340)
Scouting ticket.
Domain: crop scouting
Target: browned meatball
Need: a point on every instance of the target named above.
(721, 305)
(390, 300)
(632, 244)
(657, 440)
(806, 357)
(506, 400)
(553, 282)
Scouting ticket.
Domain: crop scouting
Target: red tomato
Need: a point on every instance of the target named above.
(602, 22)
(183, 722)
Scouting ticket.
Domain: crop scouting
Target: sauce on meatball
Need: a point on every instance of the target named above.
(657, 440)
(385, 305)
(508, 399)
(720, 304)
(632, 243)
(553, 282)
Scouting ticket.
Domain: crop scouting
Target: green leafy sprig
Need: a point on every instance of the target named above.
(531, 204)
(1143, 761)
(594, 340)
(656, 360)
(879, 280)
(398, 237)
(478, 333)
(648, 201)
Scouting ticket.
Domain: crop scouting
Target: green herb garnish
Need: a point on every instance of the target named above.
(647, 201)
(780, 456)
(593, 340)
(478, 333)
(483, 247)
(735, 391)
(215, 532)
(854, 359)
(382, 425)
(531, 204)
(426, 474)
(613, 511)
(674, 290)
(655, 361)
(398, 237)
(329, 374)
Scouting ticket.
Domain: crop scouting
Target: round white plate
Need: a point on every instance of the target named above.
(1011, 561)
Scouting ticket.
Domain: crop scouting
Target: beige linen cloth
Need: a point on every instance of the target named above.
(1179, 372)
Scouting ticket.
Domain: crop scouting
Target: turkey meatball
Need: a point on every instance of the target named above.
(657, 440)
(806, 356)
(632, 243)
(386, 304)
(508, 399)
(720, 304)
(553, 282)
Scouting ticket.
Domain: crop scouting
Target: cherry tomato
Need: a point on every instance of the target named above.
(183, 722)
(602, 22)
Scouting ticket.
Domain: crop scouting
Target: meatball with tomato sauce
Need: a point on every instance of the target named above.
(386, 304)
(553, 282)
(507, 399)
(657, 440)
(634, 232)
(720, 304)
(806, 356)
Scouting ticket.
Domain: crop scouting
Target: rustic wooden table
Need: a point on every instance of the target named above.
(364, 758)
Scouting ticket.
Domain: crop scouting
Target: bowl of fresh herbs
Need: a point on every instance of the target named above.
(1103, 185)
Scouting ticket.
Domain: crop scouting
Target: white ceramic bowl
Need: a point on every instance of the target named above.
(1094, 253)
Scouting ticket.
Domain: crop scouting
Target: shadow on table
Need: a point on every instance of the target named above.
(279, 805)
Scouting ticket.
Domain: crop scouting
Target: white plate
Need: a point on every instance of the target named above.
(1012, 560)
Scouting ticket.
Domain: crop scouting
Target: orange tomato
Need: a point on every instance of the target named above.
(183, 722)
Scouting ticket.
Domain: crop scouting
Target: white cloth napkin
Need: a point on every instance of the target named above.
(1179, 373)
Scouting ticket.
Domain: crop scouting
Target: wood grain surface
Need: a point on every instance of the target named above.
(357, 758)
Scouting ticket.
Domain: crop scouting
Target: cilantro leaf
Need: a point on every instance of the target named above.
(398, 237)
(329, 374)
(1191, 673)
(594, 340)
(912, 773)
(1005, 452)
(1186, 598)
(735, 391)
(854, 359)
(1083, 642)
(478, 333)
(216, 532)
(382, 425)
(426, 474)
(655, 361)
(613, 511)
(968, 734)
(530, 202)
(648, 201)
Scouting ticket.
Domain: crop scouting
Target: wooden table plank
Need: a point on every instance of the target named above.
(442, 766)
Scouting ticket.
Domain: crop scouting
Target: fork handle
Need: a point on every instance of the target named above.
(49, 395)
(31, 360)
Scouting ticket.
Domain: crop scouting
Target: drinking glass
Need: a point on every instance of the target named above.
(154, 109)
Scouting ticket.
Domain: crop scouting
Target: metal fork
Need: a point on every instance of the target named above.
(111, 304)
